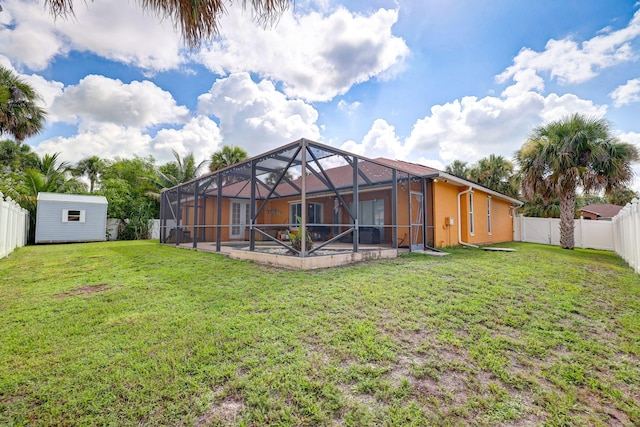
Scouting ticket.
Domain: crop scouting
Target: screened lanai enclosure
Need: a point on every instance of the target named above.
(338, 200)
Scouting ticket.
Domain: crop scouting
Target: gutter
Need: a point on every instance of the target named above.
(470, 190)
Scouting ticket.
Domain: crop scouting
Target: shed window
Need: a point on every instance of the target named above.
(73, 215)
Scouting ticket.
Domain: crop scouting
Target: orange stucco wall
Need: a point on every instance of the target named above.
(445, 206)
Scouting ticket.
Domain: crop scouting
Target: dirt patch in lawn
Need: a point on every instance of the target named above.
(85, 290)
(225, 412)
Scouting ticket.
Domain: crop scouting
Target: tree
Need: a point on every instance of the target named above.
(621, 196)
(496, 173)
(20, 116)
(574, 151)
(92, 167)
(196, 19)
(458, 168)
(15, 156)
(274, 176)
(227, 156)
(128, 185)
(179, 171)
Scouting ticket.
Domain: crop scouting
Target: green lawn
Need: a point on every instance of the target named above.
(135, 333)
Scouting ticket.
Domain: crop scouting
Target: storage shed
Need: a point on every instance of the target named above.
(62, 218)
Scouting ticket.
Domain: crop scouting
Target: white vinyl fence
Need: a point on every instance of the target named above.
(626, 234)
(14, 226)
(587, 233)
(112, 229)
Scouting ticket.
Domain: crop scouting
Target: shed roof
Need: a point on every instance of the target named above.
(74, 198)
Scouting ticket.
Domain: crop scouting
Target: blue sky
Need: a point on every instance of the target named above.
(424, 81)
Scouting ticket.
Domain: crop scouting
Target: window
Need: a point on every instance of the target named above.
(314, 213)
(489, 214)
(471, 228)
(73, 215)
(371, 213)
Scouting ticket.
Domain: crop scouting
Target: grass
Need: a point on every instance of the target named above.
(135, 333)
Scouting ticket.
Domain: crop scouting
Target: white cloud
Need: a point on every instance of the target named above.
(98, 99)
(627, 93)
(201, 136)
(106, 140)
(470, 128)
(349, 108)
(119, 30)
(315, 56)
(473, 128)
(571, 62)
(255, 116)
(380, 141)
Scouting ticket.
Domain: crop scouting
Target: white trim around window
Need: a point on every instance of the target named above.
(74, 215)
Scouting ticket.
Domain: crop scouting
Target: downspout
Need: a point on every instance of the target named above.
(470, 190)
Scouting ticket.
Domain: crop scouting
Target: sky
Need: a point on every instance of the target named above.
(425, 81)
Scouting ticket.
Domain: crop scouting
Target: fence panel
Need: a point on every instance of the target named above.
(626, 234)
(587, 233)
(14, 226)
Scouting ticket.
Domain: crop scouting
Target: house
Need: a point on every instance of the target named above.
(600, 211)
(62, 218)
(336, 197)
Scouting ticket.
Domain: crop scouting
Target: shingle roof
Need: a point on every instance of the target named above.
(602, 210)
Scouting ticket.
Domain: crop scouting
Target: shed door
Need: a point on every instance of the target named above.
(417, 221)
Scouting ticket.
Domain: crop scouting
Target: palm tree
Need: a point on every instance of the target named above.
(574, 151)
(458, 168)
(20, 116)
(179, 171)
(496, 173)
(197, 19)
(227, 156)
(92, 167)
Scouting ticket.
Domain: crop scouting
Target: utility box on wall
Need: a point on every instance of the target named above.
(64, 218)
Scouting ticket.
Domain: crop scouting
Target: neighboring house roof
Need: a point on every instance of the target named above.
(602, 210)
(74, 198)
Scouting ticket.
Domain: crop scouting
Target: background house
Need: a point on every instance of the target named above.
(62, 218)
(600, 211)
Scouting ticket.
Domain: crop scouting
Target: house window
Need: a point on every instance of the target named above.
(489, 214)
(314, 213)
(73, 215)
(471, 228)
(371, 213)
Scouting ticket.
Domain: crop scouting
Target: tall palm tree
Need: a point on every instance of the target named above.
(92, 167)
(20, 116)
(574, 151)
(197, 19)
(227, 156)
